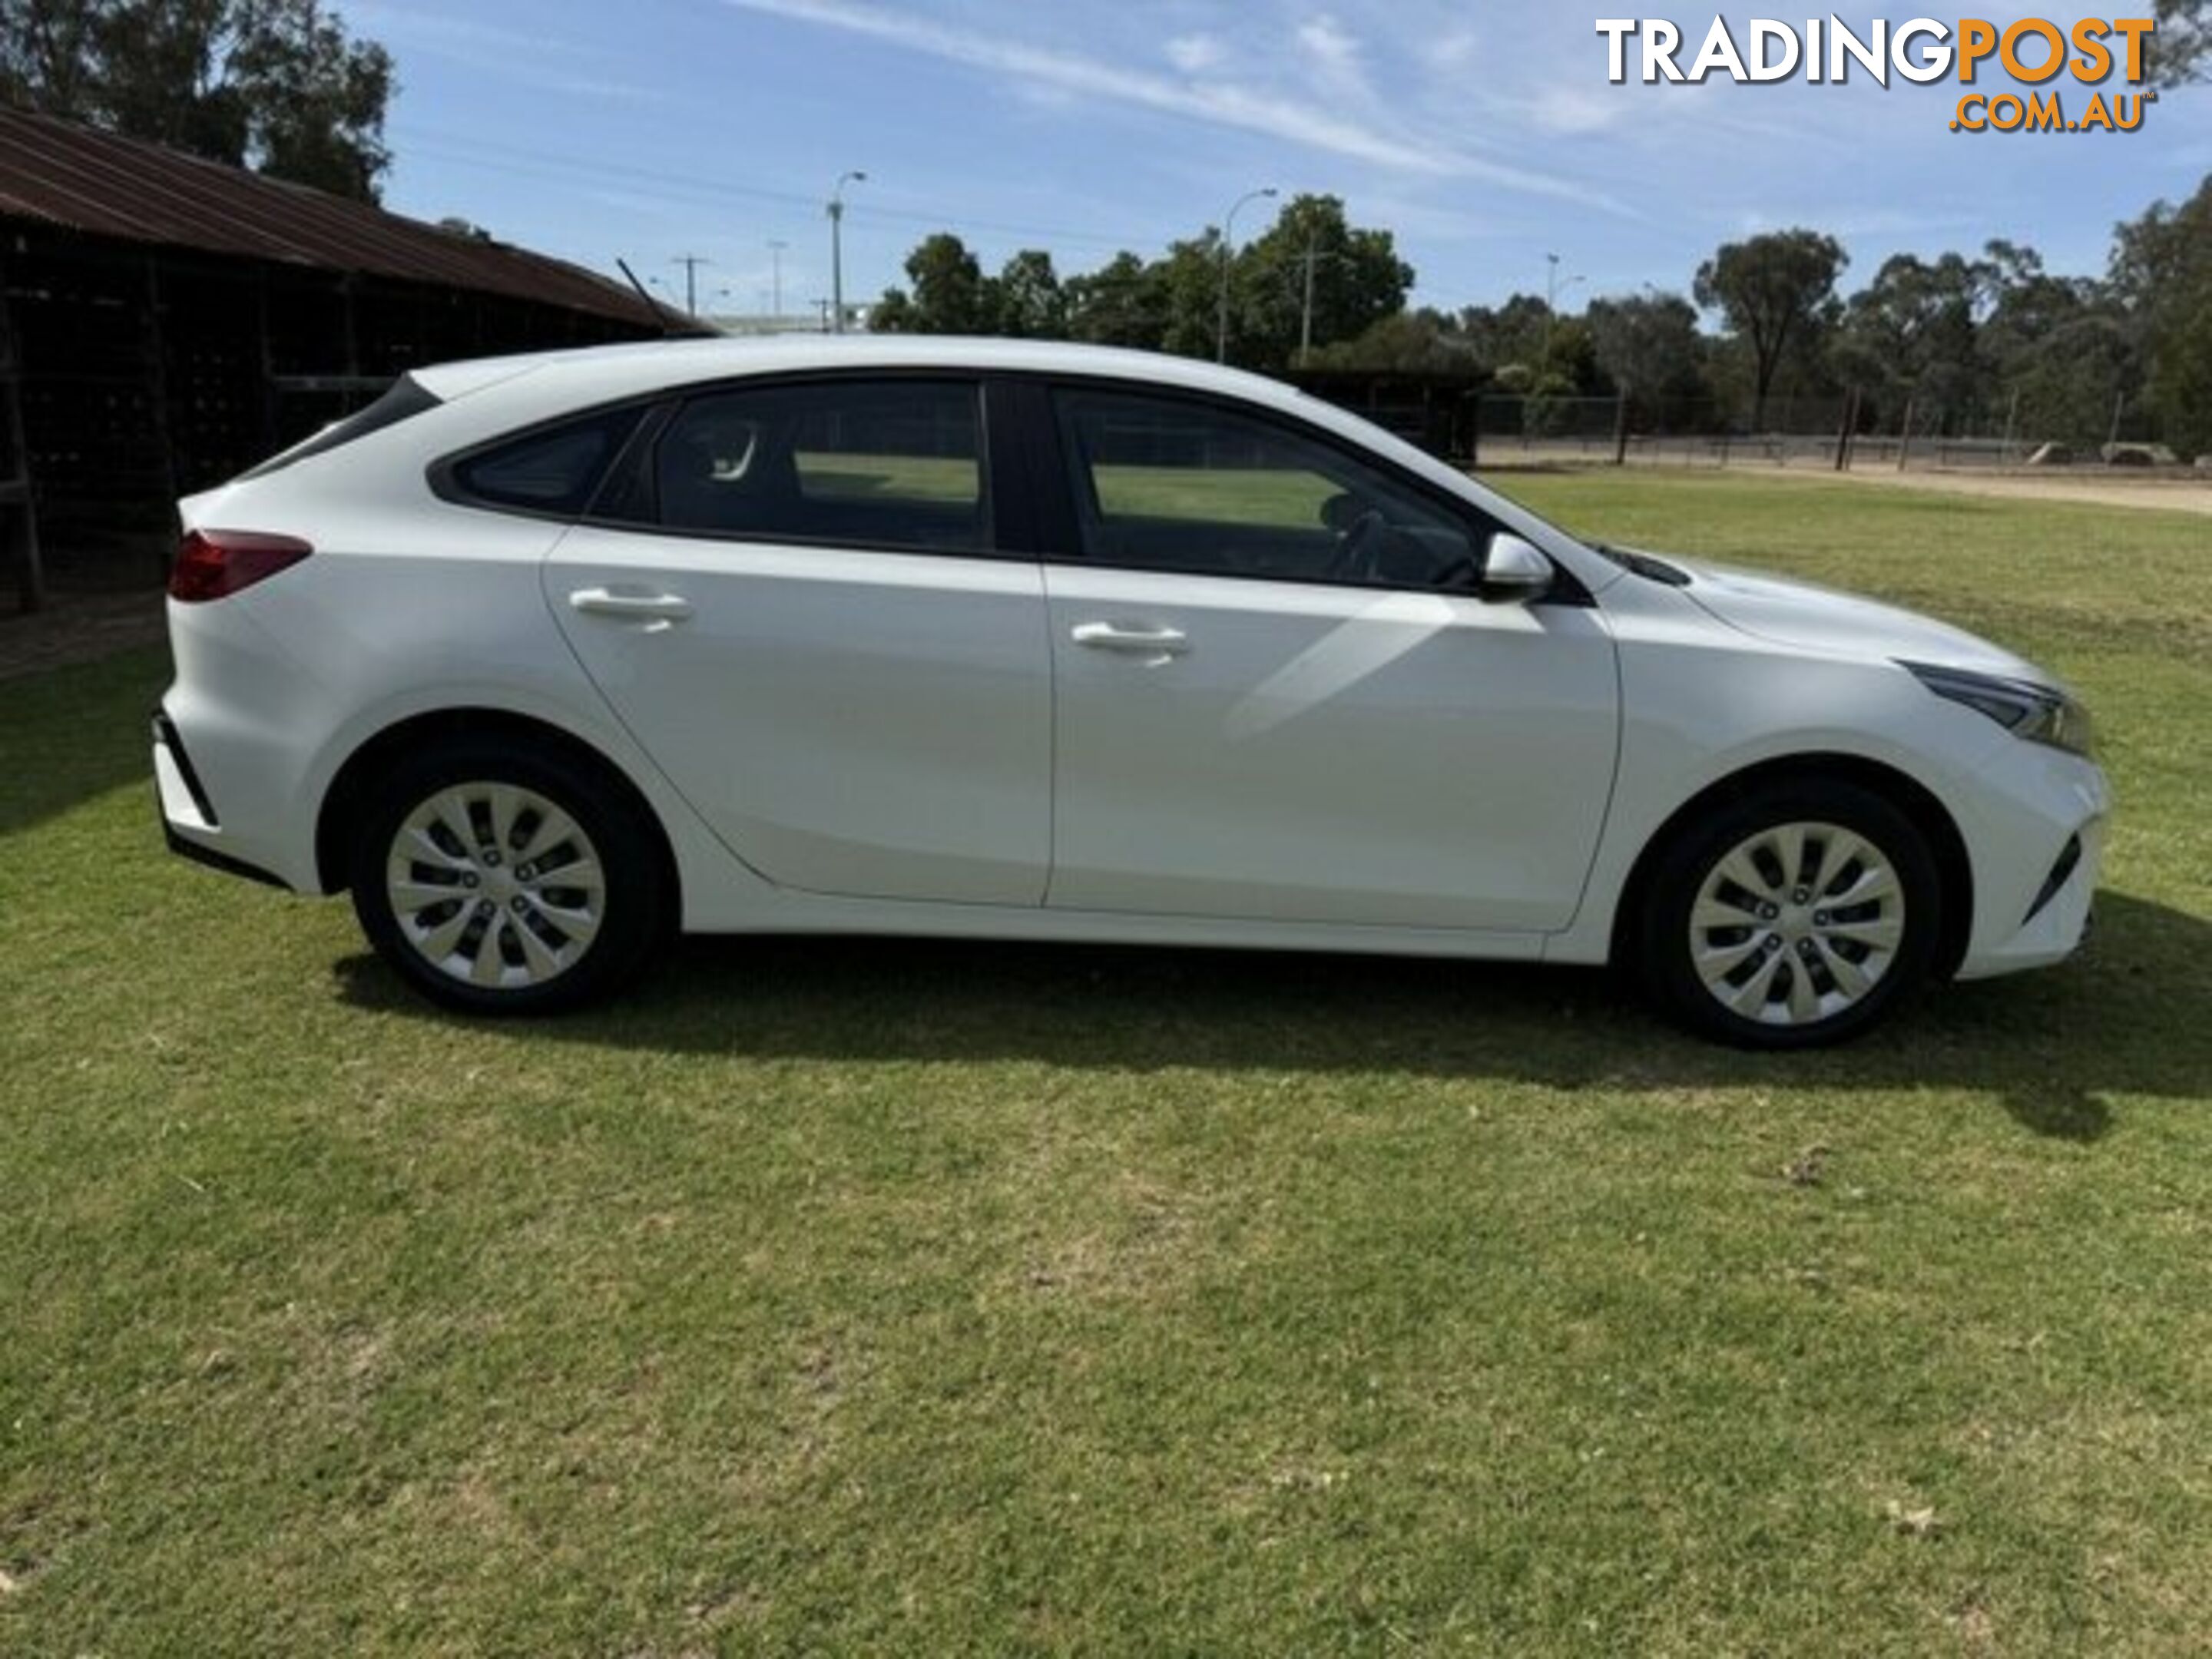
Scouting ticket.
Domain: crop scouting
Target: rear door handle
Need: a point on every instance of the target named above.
(658, 609)
(1158, 643)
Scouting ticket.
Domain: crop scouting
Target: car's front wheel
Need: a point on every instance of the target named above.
(1796, 914)
(499, 881)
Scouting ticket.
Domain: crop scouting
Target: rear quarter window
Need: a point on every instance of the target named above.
(554, 469)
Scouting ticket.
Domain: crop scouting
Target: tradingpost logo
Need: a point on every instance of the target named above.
(2034, 51)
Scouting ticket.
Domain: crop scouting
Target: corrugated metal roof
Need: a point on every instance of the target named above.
(67, 174)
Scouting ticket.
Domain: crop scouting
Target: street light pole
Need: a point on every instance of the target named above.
(1552, 288)
(837, 248)
(1228, 244)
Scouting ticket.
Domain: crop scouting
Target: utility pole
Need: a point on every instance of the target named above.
(837, 248)
(1312, 259)
(691, 262)
(1228, 248)
(776, 266)
(1305, 311)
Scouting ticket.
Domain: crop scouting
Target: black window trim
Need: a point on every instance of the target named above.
(643, 456)
(1027, 491)
(443, 474)
(1052, 473)
(403, 400)
(1001, 500)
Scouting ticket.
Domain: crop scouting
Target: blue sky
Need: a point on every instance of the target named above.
(1485, 134)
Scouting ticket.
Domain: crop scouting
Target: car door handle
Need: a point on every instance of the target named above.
(1156, 642)
(660, 609)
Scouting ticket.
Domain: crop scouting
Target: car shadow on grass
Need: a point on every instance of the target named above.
(2125, 1018)
(73, 734)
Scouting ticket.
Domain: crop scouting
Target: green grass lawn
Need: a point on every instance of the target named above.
(930, 1298)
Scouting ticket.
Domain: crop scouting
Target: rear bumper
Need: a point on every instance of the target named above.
(189, 823)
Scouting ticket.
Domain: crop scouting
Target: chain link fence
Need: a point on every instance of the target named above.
(1839, 432)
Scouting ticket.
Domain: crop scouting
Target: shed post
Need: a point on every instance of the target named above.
(157, 389)
(18, 510)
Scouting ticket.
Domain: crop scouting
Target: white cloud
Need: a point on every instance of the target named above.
(1195, 54)
(1569, 109)
(543, 61)
(1454, 50)
(1327, 41)
(1287, 118)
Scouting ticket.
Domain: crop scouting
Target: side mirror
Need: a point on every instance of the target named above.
(1515, 570)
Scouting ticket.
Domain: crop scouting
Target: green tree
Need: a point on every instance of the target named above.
(1357, 280)
(1510, 336)
(1123, 303)
(1648, 347)
(1031, 302)
(2162, 275)
(1422, 342)
(276, 85)
(950, 293)
(2181, 47)
(1189, 280)
(2060, 348)
(1772, 290)
(1914, 331)
(893, 313)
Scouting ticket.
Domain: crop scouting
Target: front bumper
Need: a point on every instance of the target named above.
(2038, 850)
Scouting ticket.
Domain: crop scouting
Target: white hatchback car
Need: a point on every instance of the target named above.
(545, 657)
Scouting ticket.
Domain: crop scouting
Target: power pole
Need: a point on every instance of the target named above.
(691, 262)
(1305, 312)
(775, 259)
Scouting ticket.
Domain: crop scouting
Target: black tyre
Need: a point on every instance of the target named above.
(1795, 914)
(500, 880)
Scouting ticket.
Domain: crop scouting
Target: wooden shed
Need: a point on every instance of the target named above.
(165, 321)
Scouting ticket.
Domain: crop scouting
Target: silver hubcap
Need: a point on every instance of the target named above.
(1797, 923)
(495, 885)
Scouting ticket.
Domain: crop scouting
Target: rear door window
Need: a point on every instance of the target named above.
(894, 464)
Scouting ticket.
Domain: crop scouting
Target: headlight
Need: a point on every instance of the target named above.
(2038, 712)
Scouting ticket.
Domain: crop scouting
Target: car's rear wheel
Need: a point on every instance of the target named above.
(505, 882)
(1796, 915)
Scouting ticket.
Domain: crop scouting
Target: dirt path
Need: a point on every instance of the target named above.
(79, 629)
(2165, 495)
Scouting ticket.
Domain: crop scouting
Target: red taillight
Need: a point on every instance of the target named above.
(212, 564)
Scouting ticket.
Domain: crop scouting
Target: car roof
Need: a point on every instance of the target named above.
(591, 373)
